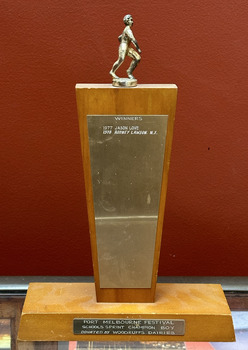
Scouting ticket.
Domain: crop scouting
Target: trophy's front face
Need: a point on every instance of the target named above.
(126, 162)
(126, 157)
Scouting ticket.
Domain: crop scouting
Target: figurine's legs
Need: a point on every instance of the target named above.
(118, 63)
(136, 59)
(131, 68)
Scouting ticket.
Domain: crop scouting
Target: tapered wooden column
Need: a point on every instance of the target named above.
(138, 122)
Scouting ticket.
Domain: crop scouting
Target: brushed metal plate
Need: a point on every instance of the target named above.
(126, 155)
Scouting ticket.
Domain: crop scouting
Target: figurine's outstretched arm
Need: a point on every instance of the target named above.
(136, 45)
(132, 38)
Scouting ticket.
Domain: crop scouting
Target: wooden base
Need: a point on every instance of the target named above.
(50, 309)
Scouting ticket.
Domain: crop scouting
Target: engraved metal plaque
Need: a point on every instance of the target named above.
(126, 156)
(119, 326)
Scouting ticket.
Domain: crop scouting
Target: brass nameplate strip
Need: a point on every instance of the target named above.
(119, 326)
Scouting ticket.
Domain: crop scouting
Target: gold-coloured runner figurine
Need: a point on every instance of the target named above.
(126, 38)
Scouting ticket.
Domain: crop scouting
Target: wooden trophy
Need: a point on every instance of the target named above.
(126, 138)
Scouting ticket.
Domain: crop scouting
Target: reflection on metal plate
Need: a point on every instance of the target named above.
(126, 154)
